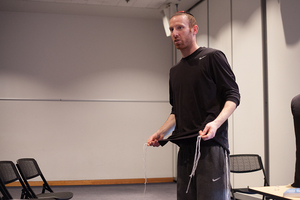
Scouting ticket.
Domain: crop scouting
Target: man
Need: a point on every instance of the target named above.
(203, 95)
(295, 107)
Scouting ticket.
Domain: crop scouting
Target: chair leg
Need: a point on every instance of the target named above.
(232, 195)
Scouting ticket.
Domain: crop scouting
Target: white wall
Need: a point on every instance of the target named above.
(284, 70)
(85, 93)
(248, 131)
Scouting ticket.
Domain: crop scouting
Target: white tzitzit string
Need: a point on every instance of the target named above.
(196, 160)
(145, 164)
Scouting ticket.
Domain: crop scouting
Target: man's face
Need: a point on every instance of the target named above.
(181, 33)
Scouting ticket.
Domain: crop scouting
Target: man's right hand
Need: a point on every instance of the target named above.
(162, 131)
(153, 139)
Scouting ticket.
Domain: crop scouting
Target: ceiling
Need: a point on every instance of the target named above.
(118, 8)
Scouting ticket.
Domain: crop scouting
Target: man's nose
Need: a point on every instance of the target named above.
(174, 33)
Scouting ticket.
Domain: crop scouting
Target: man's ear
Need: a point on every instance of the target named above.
(195, 29)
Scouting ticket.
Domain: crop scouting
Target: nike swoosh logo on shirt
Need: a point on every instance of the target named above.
(202, 57)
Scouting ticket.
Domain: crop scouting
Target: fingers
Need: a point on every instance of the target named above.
(203, 133)
(208, 133)
(208, 136)
(155, 144)
(153, 141)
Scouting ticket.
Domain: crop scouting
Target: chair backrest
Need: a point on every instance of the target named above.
(242, 163)
(9, 174)
(245, 163)
(29, 169)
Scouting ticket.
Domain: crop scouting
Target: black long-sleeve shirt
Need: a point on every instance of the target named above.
(200, 84)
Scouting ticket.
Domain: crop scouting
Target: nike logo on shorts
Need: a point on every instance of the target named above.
(216, 179)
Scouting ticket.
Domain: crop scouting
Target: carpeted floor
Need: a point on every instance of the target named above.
(161, 191)
(153, 191)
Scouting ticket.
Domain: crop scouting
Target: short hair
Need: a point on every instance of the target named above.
(191, 18)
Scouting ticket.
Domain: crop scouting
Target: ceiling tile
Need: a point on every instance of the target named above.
(110, 2)
(95, 2)
(124, 3)
(80, 1)
(141, 3)
(63, 1)
(156, 3)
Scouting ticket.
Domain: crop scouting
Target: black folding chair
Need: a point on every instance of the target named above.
(29, 169)
(246, 163)
(9, 174)
(3, 192)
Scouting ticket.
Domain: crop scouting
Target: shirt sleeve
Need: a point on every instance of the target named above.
(224, 78)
